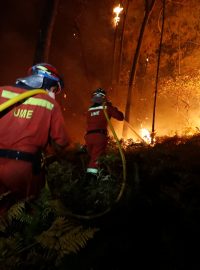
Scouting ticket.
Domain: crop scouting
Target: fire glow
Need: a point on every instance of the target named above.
(145, 134)
(117, 10)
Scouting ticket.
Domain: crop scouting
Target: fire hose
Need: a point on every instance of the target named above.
(27, 94)
(92, 216)
(20, 97)
(121, 153)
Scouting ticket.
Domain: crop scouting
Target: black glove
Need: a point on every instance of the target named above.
(109, 103)
(82, 149)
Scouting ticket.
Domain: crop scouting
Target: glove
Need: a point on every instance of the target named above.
(82, 149)
(108, 103)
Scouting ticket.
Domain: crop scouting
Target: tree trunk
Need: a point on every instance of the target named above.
(114, 57)
(157, 74)
(148, 9)
(46, 31)
(122, 41)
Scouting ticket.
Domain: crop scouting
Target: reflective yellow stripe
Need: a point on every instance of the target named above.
(96, 108)
(92, 170)
(39, 102)
(30, 101)
(8, 94)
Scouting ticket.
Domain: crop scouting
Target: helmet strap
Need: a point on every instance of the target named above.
(51, 94)
(59, 88)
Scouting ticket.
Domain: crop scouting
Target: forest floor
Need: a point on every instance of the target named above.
(148, 219)
(156, 223)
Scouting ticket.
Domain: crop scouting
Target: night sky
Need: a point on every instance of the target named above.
(80, 49)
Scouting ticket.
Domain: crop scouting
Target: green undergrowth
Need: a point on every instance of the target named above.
(162, 187)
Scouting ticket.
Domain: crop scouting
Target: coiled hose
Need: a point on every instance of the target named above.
(27, 94)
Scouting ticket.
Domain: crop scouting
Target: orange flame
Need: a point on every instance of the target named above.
(117, 10)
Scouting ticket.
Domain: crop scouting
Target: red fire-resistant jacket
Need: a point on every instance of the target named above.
(96, 132)
(96, 117)
(28, 127)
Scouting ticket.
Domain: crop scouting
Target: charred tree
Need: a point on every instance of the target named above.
(116, 50)
(157, 74)
(114, 62)
(46, 30)
(122, 41)
(149, 4)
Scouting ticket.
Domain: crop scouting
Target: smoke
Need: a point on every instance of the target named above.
(82, 50)
(19, 30)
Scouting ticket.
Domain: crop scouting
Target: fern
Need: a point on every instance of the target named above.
(16, 210)
(2, 196)
(34, 233)
(63, 236)
(76, 239)
(3, 225)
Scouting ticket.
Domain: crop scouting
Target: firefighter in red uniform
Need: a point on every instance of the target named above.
(28, 128)
(96, 133)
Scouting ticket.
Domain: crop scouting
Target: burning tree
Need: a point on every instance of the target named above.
(148, 8)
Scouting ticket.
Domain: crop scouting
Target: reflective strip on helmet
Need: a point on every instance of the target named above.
(99, 94)
(30, 101)
(97, 108)
(42, 67)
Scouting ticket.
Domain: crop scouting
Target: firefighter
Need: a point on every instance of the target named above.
(26, 129)
(96, 137)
